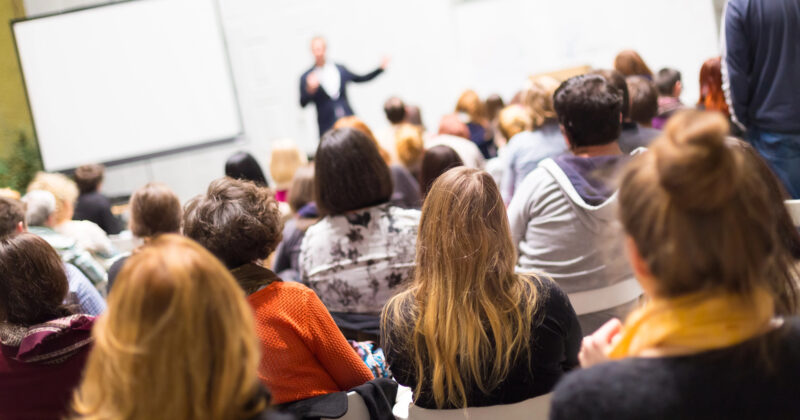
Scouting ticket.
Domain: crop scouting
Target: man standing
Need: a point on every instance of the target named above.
(325, 84)
(761, 61)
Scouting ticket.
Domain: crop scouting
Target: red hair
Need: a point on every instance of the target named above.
(712, 98)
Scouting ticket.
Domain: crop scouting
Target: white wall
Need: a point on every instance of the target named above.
(439, 47)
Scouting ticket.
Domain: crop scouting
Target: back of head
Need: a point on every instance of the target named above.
(39, 206)
(513, 120)
(395, 110)
(243, 165)
(617, 79)
(666, 80)
(12, 213)
(436, 161)
(494, 103)
(63, 189)
(453, 126)
(354, 122)
(349, 173)
(644, 100)
(33, 284)
(699, 212)
(238, 221)
(589, 109)
(470, 103)
(472, 314)
(538, 98)
(413, 115)
(410, 147)
(176, 320)
(302, 190)
(89, 177)
(712, 97)
(155, 209)
(285, 158)
(630, 63)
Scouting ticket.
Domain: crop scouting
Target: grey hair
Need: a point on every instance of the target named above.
(41, 204)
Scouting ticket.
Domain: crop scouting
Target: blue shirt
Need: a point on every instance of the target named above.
(524, 152)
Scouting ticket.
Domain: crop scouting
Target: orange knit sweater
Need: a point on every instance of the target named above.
(304, 353)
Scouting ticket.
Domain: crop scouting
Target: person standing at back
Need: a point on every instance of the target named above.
(325, 84)
(92, 205)
(761, 57)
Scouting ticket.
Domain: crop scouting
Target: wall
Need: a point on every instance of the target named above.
(14, 116)
(438, 48)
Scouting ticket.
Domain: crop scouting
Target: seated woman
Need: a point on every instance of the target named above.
(44, 346)
(436, 161)
(242, 165)
(177, 342)
(304, 354)
(716, 339)
(470, 105)
(362, 251)
(304, 214)
(155, 209)
(469, 332)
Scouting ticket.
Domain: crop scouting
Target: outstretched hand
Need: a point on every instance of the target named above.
(385, 61)
(595, 347)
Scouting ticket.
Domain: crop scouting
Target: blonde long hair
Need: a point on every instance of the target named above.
(177, 342)
(465, 295)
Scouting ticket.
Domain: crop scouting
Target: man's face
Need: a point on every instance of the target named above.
(318, 49)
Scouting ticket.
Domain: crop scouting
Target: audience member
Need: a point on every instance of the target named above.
(414, 116)
(395, 111)
(284, 160)
(362, 251)
(242, 165)
(633, 135)
(562, 216)
(454, 133)
(493, 105)
(44, 346)
(511, 120)
(668, 82)
(471, 108)
(526, 149)
(711, 341)
(40, 216)
(92, 205)
(88, 235)
(304, 354)
(155, 209)
(406, 189)
(178, 342)
(437, 160)
(630, 63)
(301, 199)
(761, 59)
(410, 147)
(469, 331)
(644, 100)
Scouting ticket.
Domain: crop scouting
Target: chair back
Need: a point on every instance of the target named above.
(356, 408)
(531, 409)
(793, 206)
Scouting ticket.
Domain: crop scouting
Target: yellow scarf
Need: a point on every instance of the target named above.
(694, 323)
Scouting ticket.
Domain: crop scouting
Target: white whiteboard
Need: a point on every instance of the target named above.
(127, 80)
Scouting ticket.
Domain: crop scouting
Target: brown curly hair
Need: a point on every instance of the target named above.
(238, 221)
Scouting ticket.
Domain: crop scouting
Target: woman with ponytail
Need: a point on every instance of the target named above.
(470, 332)
(716, 338)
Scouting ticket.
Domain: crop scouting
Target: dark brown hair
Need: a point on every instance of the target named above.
(155, 209)
(617, 80)
(395, 110)
(630, 63)
(644, 100)
(11, 213)
(436, 161)
(302, 190)
(349, 173)
(701, 216)
(33, 283)
(89, 177)
(236, 220)
(589, 109)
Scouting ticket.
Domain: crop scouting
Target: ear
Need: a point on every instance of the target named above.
(20, 227)
(640, 268)
(678, 89)
(566, 137)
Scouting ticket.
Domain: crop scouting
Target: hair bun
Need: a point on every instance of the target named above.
(694, 165)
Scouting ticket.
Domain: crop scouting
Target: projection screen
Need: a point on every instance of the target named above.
(127, 80)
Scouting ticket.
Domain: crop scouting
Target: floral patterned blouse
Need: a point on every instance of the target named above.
(355, 262)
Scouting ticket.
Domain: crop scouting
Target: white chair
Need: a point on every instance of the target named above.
(124, 242)
(356, 408)
(530, 409)
(793, 206)
(605, 298)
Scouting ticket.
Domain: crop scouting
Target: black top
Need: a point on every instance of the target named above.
(731, 383)
(96, 208)
(555, 342)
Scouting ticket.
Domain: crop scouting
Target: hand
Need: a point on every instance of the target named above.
(385, 61)
(312, 82)
(595, 347)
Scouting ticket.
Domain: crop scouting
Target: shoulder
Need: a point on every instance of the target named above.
(537, 182)
(408, 216)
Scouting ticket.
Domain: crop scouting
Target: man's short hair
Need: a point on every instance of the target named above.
(617, 79)
(395, 110)
(40, 204)
(666, 79)
(12, 212)
(155, 209)
(644, 99)
(589, 109)
(89, 177)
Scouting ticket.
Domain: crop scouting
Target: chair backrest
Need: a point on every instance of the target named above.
(356, 408)
(530, 409)
(124, 243)
(793, 206)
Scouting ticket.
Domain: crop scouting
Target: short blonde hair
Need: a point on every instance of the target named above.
(63, 189)
(513, 120)
(178, 341)
(284, 160)
(409, 143)
(538, 98)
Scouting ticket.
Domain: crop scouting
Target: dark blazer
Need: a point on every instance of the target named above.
(328, 109)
